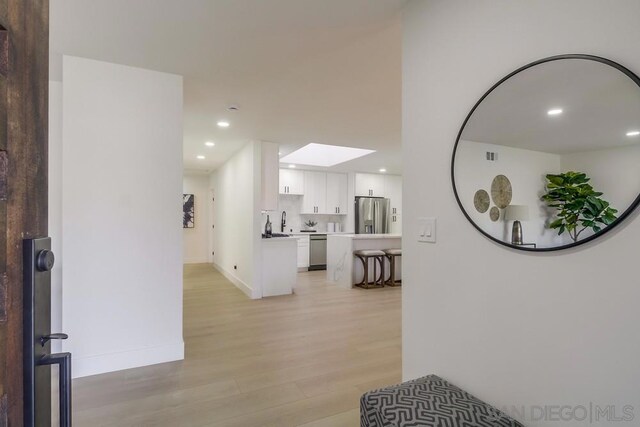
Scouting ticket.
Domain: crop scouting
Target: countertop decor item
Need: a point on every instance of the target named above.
(501, 191)
(268, 230)
(310, 224)
(481, 201)
(578, 206)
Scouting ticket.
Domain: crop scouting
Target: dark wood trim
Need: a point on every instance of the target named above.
(4, 421)
(24, 89)
(4, 51)
(4, 170)
(3, 298)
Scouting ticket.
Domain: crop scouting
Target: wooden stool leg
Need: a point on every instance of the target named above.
(392, 278)
(365, 263)
(377, 280)
(392, 266)
(388, 282)
(362, 283)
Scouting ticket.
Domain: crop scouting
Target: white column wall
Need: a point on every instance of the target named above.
(121, 216)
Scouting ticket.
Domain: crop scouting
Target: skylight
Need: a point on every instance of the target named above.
(324, 155)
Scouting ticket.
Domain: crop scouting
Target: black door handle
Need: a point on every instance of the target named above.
(44, 339)
(63, 360)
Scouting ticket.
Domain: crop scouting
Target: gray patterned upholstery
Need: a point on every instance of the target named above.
(428, 402)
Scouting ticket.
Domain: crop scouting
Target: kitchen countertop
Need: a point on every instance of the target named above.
(301, 233)
(370, 236)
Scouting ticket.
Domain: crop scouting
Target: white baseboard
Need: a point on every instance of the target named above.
(196, 261)
(93, 365)
(248, 291)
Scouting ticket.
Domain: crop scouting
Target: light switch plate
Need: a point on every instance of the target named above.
(427, 230)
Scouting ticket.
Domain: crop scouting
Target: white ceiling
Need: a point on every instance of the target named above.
(600, 105)
(301, 71)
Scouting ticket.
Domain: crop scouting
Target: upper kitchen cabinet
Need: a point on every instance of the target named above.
(393, 191)
(291, 182)
(315, 193)
(337, 194)
(369, 185)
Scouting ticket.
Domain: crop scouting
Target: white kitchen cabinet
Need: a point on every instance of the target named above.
(303, 252)
(395, 223)
(393, 192)
(337, 194)
(279, 271)
(315, 193)
(291, 182)
(369, 185)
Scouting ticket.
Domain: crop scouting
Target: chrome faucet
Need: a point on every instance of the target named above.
(283, 221)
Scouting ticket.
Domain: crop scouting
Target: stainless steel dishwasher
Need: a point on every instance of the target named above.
(318, 252)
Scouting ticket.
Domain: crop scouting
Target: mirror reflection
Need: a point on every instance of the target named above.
(551, 156)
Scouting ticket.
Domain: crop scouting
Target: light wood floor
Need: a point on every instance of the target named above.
(300, 360)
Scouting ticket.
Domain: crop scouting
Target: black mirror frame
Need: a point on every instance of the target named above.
(617, 222)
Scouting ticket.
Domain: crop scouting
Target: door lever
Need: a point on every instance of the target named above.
(44, 339)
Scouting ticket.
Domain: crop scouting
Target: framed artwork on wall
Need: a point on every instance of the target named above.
(188, 211)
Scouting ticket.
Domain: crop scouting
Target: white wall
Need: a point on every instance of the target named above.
(615, 172)
(237, 219)
(512, 328)
(196, 239)
(121, 216)
(526, 171)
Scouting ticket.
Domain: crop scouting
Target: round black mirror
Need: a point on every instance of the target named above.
(549, 157)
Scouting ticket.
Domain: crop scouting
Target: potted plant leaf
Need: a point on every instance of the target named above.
(579, 207)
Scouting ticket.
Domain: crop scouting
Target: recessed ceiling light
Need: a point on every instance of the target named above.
(279, 153)
(209, 143)
(633, 133)
(223, 124)
(292, 166)
(383, 170)
(324, 155)
(200, 157)
(554, 111)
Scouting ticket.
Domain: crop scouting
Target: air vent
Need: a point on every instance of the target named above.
(492, 156)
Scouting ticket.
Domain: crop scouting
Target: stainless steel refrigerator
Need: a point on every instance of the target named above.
(372, 215)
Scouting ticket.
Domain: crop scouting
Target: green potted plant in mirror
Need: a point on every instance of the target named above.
(579, 207)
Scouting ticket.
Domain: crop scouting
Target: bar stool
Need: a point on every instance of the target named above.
(378, 258)
(391, 255)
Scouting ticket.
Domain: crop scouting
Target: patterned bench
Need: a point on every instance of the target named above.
(428, 402)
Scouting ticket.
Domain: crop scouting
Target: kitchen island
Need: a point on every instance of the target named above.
(343, 269)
